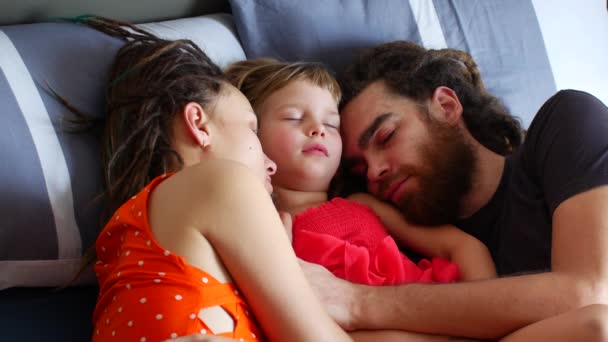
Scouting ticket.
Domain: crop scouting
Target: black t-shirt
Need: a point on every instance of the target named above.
(565, 153)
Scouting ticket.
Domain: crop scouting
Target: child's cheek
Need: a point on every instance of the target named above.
(284, 141)
(275, 143)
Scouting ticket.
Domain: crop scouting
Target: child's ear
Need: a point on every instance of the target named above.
(197, 123)
(446, 105)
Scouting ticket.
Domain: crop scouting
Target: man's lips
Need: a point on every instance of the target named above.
(317, 149)
(394, 191)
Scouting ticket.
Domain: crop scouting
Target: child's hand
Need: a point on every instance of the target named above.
(287, 222)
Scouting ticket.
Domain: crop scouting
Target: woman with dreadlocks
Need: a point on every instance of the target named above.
(193, 231)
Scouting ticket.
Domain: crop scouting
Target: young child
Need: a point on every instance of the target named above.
(194, 244)
(299, 123)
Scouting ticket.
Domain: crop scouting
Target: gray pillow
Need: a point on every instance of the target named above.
(503, 36)
(49, 178)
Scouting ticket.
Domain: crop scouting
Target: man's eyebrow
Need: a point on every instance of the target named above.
(369, 132)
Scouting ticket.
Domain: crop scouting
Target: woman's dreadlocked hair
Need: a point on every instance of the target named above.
(415, 72)
(151, 80)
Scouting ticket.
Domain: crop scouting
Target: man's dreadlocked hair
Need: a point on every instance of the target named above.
(151, 80)
(415, 72)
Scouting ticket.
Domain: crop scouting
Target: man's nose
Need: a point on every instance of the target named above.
(376, 170)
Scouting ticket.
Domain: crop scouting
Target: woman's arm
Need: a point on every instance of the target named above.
(238, 218)
(448, 242)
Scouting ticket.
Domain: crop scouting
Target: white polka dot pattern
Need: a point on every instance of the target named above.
(146, 300)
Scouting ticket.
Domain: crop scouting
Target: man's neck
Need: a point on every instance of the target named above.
(486, 179)
(294, 202)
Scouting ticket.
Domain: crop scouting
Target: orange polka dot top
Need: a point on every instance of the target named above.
(147, 293)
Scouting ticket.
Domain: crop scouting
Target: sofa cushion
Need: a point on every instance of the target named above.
(503, 37)
(42, 314)
(50, 177)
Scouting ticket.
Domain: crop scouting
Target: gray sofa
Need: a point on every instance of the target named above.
(51, 175)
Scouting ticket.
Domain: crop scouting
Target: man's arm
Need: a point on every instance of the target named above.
(489, 308)
(448, 242)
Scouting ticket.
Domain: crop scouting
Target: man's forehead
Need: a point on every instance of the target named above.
(372, 95)
(359, 113)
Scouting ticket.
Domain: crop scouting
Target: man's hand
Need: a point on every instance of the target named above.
(337, 296)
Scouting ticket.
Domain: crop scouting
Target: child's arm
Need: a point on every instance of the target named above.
(446, 241)
(236, 215)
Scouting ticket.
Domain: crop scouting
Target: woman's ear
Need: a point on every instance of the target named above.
(197, 123)
(446, 106)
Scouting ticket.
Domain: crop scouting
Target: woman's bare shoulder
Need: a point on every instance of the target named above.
(202, 195)
(210, 184)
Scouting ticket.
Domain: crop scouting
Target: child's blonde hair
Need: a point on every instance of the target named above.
(258, 78)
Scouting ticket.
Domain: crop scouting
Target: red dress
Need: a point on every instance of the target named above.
(348, 239)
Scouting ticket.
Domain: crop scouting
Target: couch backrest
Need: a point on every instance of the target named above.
(50, 177)
(140, 11)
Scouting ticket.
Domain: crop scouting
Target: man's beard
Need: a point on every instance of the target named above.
(444, 177)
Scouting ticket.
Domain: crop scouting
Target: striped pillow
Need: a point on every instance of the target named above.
(50, 177)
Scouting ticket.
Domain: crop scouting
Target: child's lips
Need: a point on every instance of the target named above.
(315, 149)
